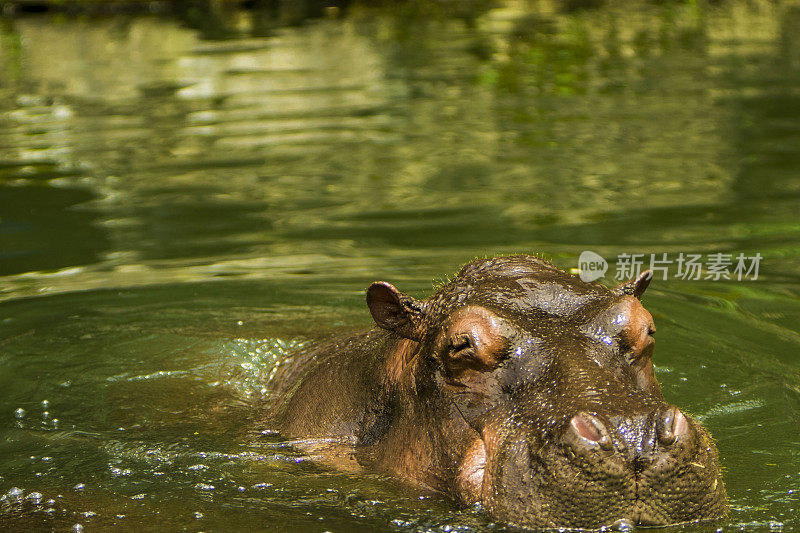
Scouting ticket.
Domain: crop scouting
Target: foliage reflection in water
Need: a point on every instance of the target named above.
(182, 203)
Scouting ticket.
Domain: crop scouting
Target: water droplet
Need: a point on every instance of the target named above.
(14, 493)
(19, 413)
(623, 524)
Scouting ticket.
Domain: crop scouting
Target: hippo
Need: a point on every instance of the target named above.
(515, 386)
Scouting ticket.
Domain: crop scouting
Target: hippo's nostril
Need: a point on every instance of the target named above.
(588, 428)
(671, 426)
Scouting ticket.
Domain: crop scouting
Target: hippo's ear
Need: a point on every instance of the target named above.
(394, 311)
(635, 287)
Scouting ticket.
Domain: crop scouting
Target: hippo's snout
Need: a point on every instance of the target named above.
(654, 469)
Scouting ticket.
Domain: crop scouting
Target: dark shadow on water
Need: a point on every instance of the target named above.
(46, 228)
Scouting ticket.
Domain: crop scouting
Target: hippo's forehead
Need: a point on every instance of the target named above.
(524, 286)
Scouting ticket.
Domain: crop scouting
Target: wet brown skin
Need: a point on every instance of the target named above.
(518, 386)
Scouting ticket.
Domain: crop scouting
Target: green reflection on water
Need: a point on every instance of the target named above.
(171, 192)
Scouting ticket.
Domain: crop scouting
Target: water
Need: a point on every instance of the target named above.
(183, 200)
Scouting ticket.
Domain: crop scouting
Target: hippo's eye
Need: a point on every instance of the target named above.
(461, 343)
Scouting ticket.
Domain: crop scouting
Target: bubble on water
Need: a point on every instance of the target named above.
(198, 515)
(55, 422)
(89, 514)
(45, 404)
(34, 497)
(115, 471)
(79, 486)
(262, 486)
(204, 486)
(241, 489)
(50, 502)
(199, 467)
(14, 493)
(46, 415)
(19, 412)
(138, 496)
(47, 458)
(77, 527)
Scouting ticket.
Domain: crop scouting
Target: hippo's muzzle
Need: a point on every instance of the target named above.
(652, 469)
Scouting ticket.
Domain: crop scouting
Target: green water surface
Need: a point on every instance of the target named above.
(185, 198)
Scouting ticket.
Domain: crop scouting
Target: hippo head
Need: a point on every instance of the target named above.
(527, 390)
